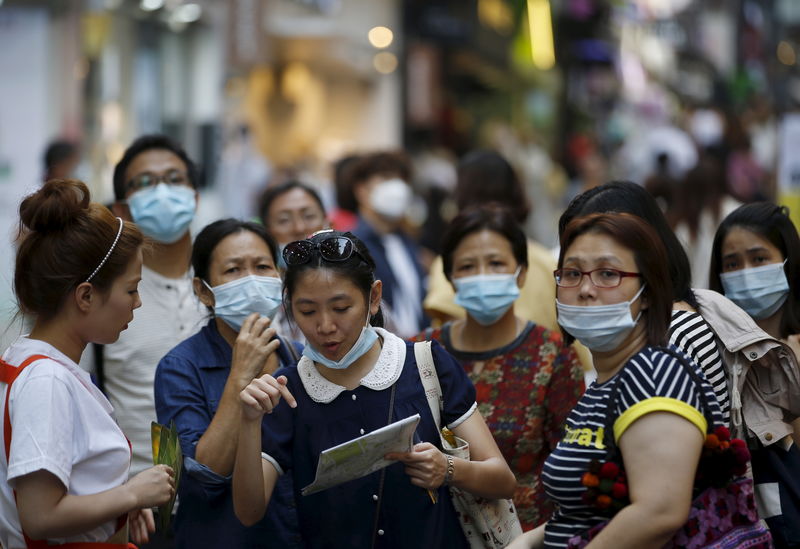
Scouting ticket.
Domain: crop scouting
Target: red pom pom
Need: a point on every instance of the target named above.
(609, 470)
(722, 432)
(738, 443)
(619, 490)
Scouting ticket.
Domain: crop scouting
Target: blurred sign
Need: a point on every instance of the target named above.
(247, 44)
(789, 166)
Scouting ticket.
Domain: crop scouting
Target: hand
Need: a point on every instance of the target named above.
(140, 525)
(252, 347)
(152, 487)
(262, 395)
(425, 464)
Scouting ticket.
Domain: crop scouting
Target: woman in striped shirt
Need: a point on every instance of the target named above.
(688, 329)
(615, 296)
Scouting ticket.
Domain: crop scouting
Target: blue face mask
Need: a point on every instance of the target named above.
(760, 291)
(364, 343)
(234, 301)
(163, 212)
(486, 298)
(599, 327)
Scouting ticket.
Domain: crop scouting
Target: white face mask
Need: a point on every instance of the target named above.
(391, 198)
(599, 327)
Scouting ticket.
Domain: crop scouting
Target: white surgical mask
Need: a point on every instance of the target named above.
(391, 198)
(599, 327)
(234, 301)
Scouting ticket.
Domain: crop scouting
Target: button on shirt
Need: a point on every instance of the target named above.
(170, 313)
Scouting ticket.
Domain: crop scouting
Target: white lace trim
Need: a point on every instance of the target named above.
(386, 371)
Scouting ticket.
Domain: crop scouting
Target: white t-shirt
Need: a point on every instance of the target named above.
(170, 313)
(60, 423)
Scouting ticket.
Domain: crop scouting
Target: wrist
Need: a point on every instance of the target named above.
(450, 470)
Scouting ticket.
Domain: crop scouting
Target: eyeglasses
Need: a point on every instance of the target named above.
(149, 179)
(334, 249)
(601, 278)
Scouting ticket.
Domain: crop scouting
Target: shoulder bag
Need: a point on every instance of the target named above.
(487, 523)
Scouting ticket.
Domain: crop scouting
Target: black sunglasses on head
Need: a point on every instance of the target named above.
(333, 248)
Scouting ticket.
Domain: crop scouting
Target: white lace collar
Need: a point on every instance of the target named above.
(386, 371)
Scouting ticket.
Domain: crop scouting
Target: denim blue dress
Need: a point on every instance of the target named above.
(188, 387)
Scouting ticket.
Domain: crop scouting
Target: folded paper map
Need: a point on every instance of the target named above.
(363, 455)
(167, 450)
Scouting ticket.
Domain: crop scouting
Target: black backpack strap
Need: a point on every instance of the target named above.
(99, 366)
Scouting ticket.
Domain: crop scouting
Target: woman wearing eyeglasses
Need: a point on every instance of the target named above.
(197, 385)
(526, 378)
(614, 295)
(355, 377)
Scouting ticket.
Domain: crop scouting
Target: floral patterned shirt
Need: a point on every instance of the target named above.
(525, 391)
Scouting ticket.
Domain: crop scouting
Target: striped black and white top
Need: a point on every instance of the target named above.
(651, 381)
(690, 333)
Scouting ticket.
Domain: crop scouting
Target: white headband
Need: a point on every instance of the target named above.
(111, 249)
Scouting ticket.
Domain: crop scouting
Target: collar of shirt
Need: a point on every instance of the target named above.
(386, 371)
(25, 347)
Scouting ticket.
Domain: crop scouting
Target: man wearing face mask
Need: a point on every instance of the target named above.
(383, 195)
(154, 186)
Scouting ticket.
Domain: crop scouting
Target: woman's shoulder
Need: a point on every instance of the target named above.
(195, 347)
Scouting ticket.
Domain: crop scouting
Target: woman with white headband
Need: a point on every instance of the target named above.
(64, 467)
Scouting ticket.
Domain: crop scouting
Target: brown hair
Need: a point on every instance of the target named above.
(64, 237)
(635, 234)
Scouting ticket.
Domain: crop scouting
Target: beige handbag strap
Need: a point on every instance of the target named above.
(430, 379)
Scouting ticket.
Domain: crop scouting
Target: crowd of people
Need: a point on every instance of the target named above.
(615, 402)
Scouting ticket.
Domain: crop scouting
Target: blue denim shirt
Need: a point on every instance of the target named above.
(188, 387)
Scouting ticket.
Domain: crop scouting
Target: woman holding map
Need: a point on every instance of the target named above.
(354, 378)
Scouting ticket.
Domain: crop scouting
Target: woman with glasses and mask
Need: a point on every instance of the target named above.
(614, 294)
(526, 378)
(755, 262)
(198, 382)
(355, 377)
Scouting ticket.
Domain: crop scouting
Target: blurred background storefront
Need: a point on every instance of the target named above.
(573, 92)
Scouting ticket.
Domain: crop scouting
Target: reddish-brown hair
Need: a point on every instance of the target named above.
(633, 233)
(63, 238)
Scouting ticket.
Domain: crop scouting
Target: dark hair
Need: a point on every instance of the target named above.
(64, 237)
(359, 268)
(273, 192)
(773, 223)
(651, 258)
(491, 217)
(345, 199)
(58, 151)
(485, 176)
(628, 197)
(146, 143)
(207, 240)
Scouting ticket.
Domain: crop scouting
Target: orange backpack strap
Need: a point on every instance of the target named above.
(8, 374)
